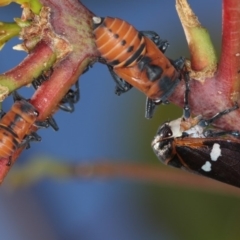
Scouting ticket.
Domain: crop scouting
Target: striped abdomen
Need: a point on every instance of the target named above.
(15, 125)
(118, 42)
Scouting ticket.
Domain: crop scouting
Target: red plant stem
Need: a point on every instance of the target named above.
(229, 65)
(106, 170)
(222, 90)
(31, 65)
(38, 60)
(73, 22)
(47, 97)
(152, 174)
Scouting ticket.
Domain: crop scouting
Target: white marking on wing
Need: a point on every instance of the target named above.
(216, 152)
(206, 167)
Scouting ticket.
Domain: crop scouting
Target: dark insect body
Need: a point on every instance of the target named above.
(15, 128)
(137, 59)
(189, 144)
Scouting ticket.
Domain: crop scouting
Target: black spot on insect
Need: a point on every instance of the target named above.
(130, 49)
(165, 83)
(123, 42)
(113, 63)
(167, 86)
(26, 107)
(135, 55)
(144, 61)
(115, 35)
(110, 30)
(154, 72)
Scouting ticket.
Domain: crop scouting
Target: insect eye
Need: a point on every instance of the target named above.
(165, 131)
(169, 133)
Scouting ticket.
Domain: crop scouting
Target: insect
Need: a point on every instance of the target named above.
(189, 144)
(15, 128)
(136, 58)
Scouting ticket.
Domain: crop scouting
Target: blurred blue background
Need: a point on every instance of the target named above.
(105, 126)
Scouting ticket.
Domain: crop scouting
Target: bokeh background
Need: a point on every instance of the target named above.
(105, 126)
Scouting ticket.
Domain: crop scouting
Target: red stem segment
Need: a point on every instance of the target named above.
(229, 66)
(71, 21)
(32, 66)
(219, 92)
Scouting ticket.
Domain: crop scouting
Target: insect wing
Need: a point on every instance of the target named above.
(212, 157)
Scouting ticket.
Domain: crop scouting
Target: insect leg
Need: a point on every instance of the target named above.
(161, 44)
(72, 97)
(29, 138)
(186, 108)
(207, 122)
(122, 85)
(37, 82)
(150, 107)
(16, 96)
(50, 121)
(178, 63)
(214, 133)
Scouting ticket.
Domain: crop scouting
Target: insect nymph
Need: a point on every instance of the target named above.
(15, 128)
(136, 58)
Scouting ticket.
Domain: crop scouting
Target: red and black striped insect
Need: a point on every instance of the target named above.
(190, 145)
(136, 58)
(15, 128)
